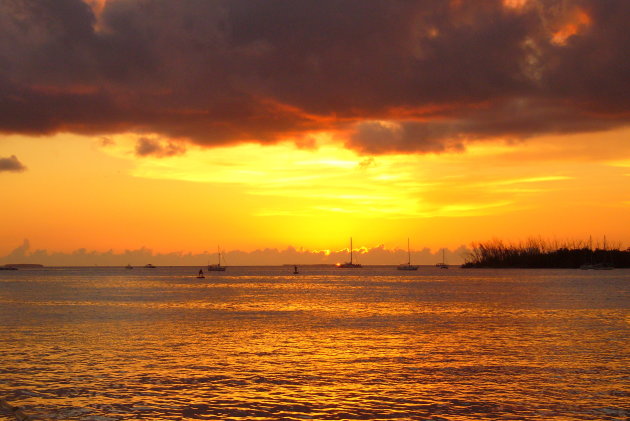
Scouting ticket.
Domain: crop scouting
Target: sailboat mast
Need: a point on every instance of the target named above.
(350, 250)
(408, 253)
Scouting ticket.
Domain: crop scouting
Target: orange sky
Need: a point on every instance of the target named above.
(78, 193)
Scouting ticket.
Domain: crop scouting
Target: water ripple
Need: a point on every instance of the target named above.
(105, 345)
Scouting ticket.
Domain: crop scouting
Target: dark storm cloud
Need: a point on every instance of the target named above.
(414, 76)
(11, 164)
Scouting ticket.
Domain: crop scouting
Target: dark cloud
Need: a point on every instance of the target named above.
(11, 164)
(153, 147)
(442, 72)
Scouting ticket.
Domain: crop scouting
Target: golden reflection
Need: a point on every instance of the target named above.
(324, 347)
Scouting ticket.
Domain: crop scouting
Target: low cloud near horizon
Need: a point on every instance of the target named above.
(378, 255)
(425, 76)
(11, 164)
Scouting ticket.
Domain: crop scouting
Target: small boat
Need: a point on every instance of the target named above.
(442, 264)
(200, 274)
(408, 265)
(217, 267)
(149, 266)
(605, 265)
(128, 267)
(295, 270)
(349, 264)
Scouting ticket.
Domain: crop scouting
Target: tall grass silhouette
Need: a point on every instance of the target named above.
(540, 253)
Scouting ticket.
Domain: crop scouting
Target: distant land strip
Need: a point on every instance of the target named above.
(23, 265)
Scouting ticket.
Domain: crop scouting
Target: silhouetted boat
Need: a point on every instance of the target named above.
(597, 266)
(217, 267)
(295, 270)
(442, 264)
(408, 265)
(349, 264)
(149, 266)
(200, 274)
(603, 266)
(128, 267)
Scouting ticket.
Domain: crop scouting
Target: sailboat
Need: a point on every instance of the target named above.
(408, 265)
(597, 266)
(605, 265)
(442, 264)
(217, 267)
(349, 264)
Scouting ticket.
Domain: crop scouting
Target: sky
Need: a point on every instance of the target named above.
(276, 130)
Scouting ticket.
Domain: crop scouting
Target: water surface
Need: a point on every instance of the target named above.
(256, 343)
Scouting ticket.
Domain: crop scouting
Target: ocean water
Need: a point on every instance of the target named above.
(259, 343)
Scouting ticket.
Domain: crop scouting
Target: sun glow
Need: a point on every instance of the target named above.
(102, 195)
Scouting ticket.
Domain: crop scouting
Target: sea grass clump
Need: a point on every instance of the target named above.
(539, 253)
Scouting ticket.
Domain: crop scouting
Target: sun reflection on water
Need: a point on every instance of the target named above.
(260, 344)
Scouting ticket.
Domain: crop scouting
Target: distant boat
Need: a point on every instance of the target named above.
(442, 264)
(149, 266)
(217, 267)
(408, 265)
(128, 267)
(295, 270)
(200, 275)
(349, 264)
(590, 265)
(603, 266)
(597, 266)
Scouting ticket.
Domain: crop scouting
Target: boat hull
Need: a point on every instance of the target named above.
(349, 266)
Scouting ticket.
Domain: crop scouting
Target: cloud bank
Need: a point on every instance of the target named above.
(397, 76)
(378, 255)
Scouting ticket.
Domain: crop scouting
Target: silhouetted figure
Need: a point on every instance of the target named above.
(200, 275)
(295, 270)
